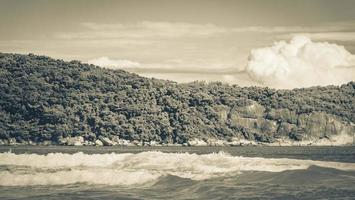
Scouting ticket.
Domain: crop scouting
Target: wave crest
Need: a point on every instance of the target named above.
(137, 169)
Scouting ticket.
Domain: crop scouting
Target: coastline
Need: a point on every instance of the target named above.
(339, 140)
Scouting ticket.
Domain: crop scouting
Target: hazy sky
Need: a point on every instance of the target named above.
(191, 40)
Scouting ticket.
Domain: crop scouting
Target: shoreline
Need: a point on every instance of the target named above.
(236, 142)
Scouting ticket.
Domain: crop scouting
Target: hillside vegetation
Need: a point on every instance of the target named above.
(47, 99)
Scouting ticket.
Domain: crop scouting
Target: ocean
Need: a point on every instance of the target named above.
(61, 172)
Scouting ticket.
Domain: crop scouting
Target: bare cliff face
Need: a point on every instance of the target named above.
(267, 125)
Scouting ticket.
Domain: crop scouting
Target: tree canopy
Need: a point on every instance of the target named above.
(46, 99)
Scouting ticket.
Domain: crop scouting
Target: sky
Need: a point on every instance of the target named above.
(274, 43)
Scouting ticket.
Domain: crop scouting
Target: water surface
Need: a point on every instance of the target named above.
(177, 172)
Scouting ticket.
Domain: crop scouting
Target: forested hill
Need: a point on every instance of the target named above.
(47, 99)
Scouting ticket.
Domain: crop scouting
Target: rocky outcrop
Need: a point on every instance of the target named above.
(250, 119)
(106, 141)
(283, 115)
(72, 141)
(322, 125)
(284, 129)
(253, 110)
(196, 142)
(98, 143)
(222, 112)
(265, 126)
(258, 125)
(255, 124)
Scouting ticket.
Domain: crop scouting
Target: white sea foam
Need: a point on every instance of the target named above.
(90, 176)
(335, 140)
(141, 168)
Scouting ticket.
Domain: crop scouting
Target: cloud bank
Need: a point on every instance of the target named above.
(301, 63)
(298, 63)
(143, 30)
(173, 30)
(324, 36)
(113, 64)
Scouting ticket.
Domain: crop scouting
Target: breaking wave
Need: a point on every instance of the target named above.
(138, 169)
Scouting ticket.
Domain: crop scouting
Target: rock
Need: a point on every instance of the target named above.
(63, 141)
(123, 142)
(266, 126)
(20, 141)
(98, 143)
(3, 142)
(233, 141)
(283, 115)
(254, 110)
(259, 125)
(284, 129)
(137, 143)
(248, 123)
(196, 142)
(336, 126)
(146, 143)
(115, 139)
(321, 125)
(214, 142)
(128, 143)
(264, 138)
(244, 142)
(88, 143)
(248, 135)
(302, 120)
(90, 136)
(222, 112)
(12, 141)
(296, 135)
(173, 145)
(153, 143)
(75, 141)
(314, 124)
(105, 141)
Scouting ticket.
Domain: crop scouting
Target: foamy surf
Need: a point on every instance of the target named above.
(137, 169)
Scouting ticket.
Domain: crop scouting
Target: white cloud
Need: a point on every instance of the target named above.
(113, 64)
(173, 65)
(338, 36)
(301, 63)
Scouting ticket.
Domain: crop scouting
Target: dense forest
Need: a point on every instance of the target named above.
(47, 99)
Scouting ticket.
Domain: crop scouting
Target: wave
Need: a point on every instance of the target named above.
(138, 169)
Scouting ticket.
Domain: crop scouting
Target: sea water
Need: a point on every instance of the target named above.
(177, 172)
